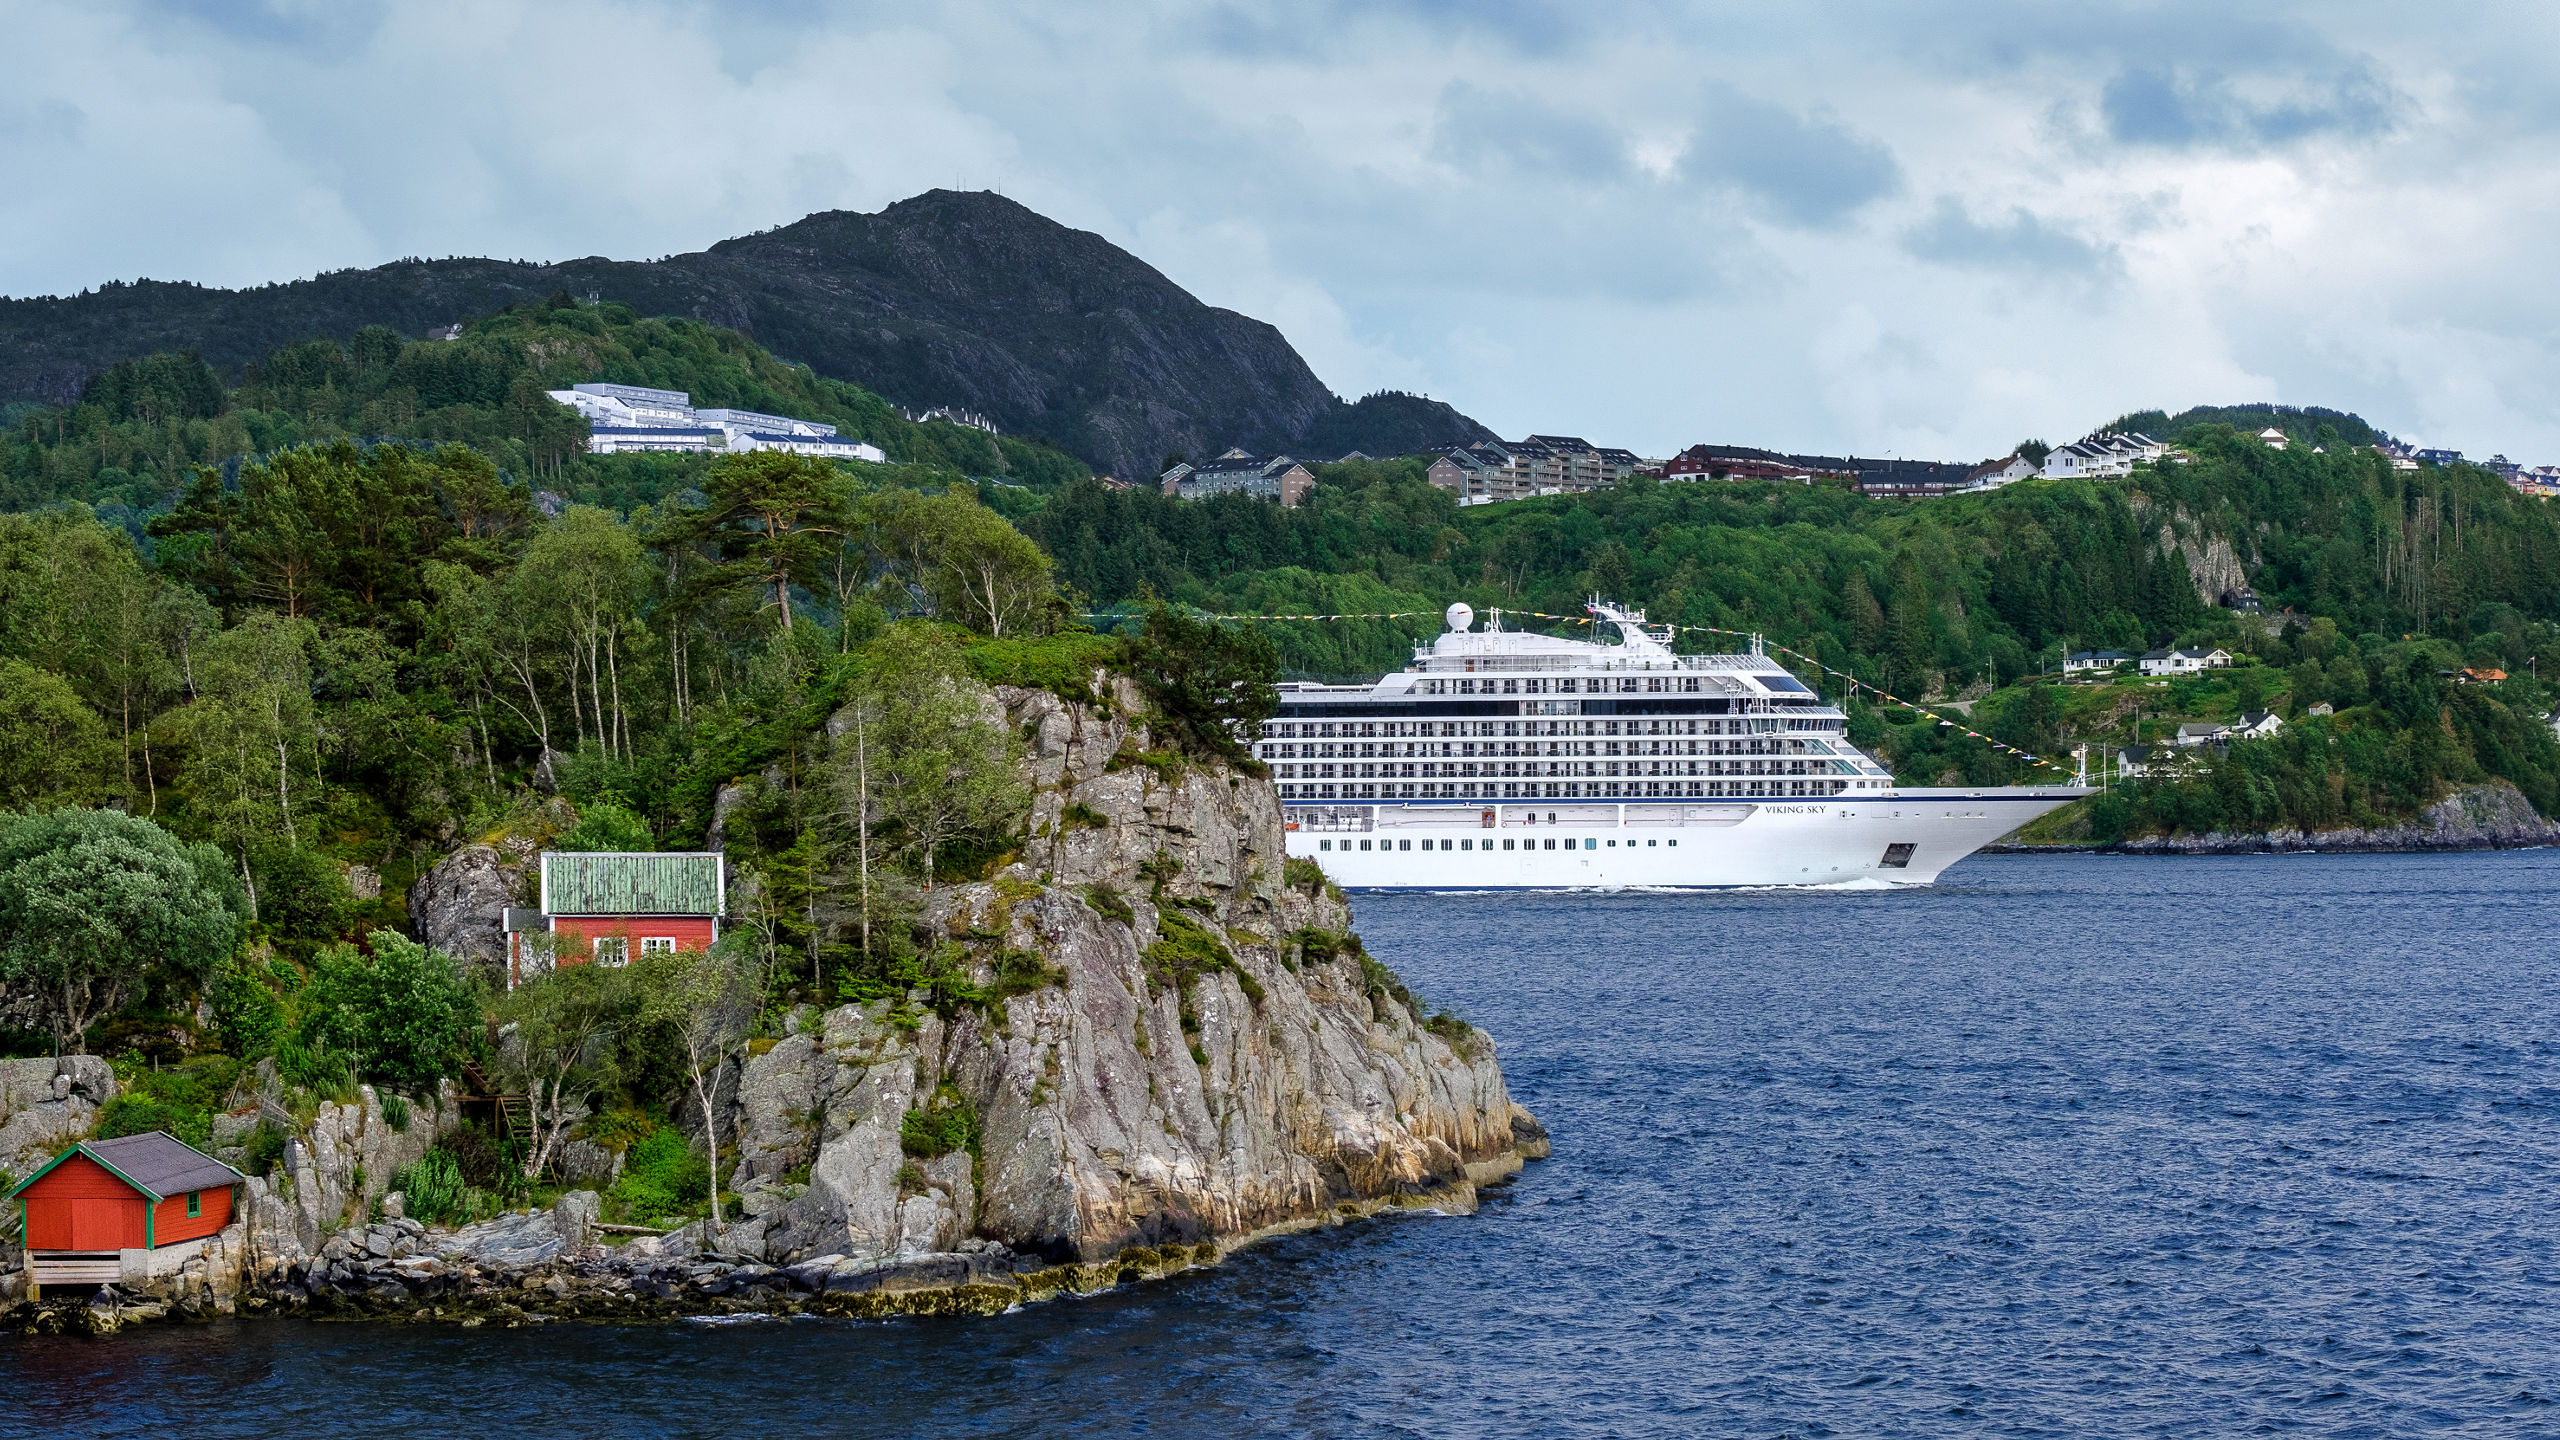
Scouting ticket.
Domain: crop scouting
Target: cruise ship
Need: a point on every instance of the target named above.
(1504, 759)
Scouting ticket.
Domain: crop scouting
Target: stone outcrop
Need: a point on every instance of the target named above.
(45, 1104)
(1137, 1099)
(459, 905)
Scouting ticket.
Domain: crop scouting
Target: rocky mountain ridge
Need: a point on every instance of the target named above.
(966, 300)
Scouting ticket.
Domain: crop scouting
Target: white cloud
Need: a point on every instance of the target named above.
(1927, 228)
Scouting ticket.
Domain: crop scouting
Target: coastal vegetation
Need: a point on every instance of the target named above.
(272, 649)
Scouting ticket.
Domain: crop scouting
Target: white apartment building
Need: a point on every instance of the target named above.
(626, 418)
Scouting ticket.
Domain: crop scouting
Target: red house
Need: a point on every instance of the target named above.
(123, 1209)
(606, 907)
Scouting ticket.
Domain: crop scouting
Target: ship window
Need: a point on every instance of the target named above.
(1364, 844)
(1674, 844)
(1466, 844)
(1506, 844)
(1648, 844)
(1404, 845)
(1324, 844)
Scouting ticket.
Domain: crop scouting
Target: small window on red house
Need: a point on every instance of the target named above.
(195, 1203)
(613, 950)
(657, 945)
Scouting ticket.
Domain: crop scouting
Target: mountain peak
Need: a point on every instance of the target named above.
(960, 298)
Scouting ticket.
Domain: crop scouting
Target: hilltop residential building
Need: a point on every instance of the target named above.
(624, 418)
(2093, 660)
(2201, 732)
(2440, 457)
(611, 906)
(2272, 438)
(2183, 662)
(1910, 479)
(1992, 474)
(1491, 470)
(1276, 477)
(1734, 462)
(2101, 457)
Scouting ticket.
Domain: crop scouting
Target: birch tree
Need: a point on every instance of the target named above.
(706, 1001)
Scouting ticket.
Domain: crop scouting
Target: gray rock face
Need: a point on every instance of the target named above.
(527, 1238)
(46, 1104)
(459, 905)
(1114, 1110)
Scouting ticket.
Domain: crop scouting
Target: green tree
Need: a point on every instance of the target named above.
(1213, 685)
(51, 745)
(706, 1000)
(96, 904)
(770, 521)
(937, 762)
(559, 1047)
(252, 736)
(400, 1013)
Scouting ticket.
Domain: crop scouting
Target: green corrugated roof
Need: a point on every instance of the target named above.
(609, 883)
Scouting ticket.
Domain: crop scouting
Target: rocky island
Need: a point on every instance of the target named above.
(1203, 1054)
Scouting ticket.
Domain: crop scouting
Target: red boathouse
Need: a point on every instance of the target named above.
(123, 1209)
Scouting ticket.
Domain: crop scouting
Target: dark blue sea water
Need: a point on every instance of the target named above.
(2064, 1146)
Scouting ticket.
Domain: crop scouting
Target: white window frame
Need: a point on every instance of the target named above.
(619, 952)
(657, 945)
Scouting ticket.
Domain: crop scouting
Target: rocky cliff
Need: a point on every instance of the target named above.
(1211, 1056)
(947, 299)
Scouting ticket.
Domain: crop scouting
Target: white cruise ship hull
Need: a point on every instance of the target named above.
(1902, 837)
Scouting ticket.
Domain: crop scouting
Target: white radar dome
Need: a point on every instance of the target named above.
(1461, 616)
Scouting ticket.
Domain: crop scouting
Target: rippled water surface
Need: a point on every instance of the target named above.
(2060, 1147)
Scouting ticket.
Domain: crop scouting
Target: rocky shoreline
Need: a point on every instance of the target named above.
(528, 1269)
(2494, 816)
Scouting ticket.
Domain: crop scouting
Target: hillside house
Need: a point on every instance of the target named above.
(1237, 472)
(2201, 732)
(2184, 662)
(2257, 725)
(133, 1208)
(1992, 474)
(606, 907)
(2272, 438)
(2087, 660)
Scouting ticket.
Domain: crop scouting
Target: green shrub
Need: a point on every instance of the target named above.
(137, 1114)
(1062, 664)
(1300, 873)
(1020, 972)
(179, 1100)
(261, 1148)
(663, 1178)
(947, 1122)
(606, 825)
(322, 1072)
(1080, 816)
(1109, 903)
(482, 1159)
(401, 1013)
(395, 1113)
(433, 1192)
(246, 1010)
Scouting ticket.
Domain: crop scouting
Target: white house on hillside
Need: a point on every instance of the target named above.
(2183, 662)
(636, 417)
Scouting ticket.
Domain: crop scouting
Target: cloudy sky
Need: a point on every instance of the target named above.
(1883, 228)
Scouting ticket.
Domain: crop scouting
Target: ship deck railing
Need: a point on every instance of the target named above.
(1437, 664)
